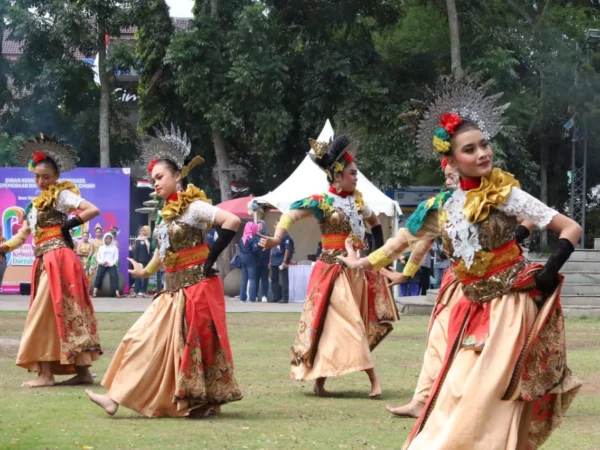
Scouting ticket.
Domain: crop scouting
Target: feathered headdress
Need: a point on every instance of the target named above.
(44, 147)
(335, 155)
(457, 100)
(169, 144)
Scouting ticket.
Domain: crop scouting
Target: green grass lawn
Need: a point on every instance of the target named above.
(275, 413)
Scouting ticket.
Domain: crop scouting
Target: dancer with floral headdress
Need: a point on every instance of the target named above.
(347, 312)
(504, 382)
(60, 335)
(176, 360)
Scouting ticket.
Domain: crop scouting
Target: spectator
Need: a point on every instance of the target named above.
(425, 273)
(2, 262)
(281, 256)
(142, 253)
(441, 263)
(263, 265)
(108, 257)
(84, 251)
(249, 254)
(410, 286)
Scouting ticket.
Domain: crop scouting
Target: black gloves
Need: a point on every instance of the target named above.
(73, 222)
(521, 233)
(225, 237)
(377, 233)
(546, 279)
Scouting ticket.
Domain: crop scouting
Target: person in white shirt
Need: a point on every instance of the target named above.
(108, 256)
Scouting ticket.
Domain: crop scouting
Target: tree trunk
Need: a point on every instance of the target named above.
(105, 84)
(454, 38)
(544, 146)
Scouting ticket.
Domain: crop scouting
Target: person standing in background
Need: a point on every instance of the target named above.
(425, 273)
(108, 257)
(441, 263)
(262, 275)
(2, 262)
(281, 256)
(249, 255)
(142, 253)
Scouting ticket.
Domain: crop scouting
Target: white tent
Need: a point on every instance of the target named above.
(308, 180)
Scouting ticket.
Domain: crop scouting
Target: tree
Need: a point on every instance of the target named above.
(157, 98)
(454, 37)
(52, 31)
(5, 94)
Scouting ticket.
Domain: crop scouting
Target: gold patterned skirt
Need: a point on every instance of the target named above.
(60, 327)
(504, 383)
(177, 356)
(347, 313)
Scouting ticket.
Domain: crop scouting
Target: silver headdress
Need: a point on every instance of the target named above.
(34, 151)
(466, 98)
(169, 144)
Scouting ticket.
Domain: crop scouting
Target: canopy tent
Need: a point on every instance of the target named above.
(238, 206)
(308, 180)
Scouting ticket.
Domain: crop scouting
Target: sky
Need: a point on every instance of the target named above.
(181, 8)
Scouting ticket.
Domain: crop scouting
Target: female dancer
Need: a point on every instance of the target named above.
(96, 244)
(504, 383)
(347, 312)
(60, 335)
(176, 358)
(84, 251)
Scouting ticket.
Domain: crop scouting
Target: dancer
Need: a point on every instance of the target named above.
(504, 382)
(60, 335)
(176, 360)
(437, 335)
(347, 312)
(84, 251)
(96, 244)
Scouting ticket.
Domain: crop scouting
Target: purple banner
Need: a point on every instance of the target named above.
(108, 189)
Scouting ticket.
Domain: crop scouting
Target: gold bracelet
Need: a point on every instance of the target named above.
(379, 259)
(410, 269)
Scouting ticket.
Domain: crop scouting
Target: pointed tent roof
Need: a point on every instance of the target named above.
(308, 180)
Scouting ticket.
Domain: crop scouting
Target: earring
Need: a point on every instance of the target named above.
(338, 187)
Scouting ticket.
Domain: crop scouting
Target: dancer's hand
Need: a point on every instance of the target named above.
(138, 269)
(268, 242)
(393, 276)
(4, 248)
(352, 261)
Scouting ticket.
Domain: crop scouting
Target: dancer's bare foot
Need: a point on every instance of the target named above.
(81, 378)
(320, 391)
(413, 409)
(103, 401)
(40, 381)
(204, 412)
(375, 389)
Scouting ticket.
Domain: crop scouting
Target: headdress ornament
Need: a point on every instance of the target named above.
(169, 144)
(44, 147)
(458, 99)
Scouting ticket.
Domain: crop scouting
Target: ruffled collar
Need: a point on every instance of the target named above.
(492, 192)
(48, 198)
(178, 206)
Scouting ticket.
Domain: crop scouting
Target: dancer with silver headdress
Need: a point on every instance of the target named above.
(176, 360)
(504, 381)
(60, 335)
(347, 312)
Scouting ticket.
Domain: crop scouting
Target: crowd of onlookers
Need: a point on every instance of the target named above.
(430, 273)
(259, 266)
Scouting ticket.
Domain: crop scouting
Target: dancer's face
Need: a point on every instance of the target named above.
(348, 178)
(471, 154)
(165, 181)
(45, 176)
(98, 234)
(85, 237)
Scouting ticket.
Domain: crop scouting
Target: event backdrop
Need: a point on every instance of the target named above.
(108, 189)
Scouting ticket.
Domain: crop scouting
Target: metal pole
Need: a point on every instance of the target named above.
(583, 194)
(573, 173)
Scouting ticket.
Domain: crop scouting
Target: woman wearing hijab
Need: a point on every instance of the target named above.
(249, 256)
(108, 257)
(142, 253)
